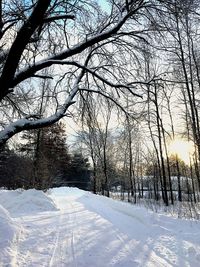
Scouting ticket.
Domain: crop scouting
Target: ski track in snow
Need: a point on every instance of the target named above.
(94, 231)
(49, 241)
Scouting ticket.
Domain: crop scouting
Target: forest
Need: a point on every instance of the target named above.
(125, 74)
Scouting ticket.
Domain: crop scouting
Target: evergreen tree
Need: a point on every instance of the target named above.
(79, 173)
(48, 150)
(15, 170)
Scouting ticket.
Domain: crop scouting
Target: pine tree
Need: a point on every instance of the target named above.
(48, 150)
(79, 173)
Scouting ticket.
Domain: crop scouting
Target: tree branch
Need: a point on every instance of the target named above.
(53, 18)
(29, 123)
(106, 96)
(19, 45)
(77, 49)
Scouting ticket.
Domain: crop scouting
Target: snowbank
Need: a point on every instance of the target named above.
(26, 202)
(8, 234)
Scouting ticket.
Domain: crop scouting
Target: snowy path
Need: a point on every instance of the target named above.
(93, 231)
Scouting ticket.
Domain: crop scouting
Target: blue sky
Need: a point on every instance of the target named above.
(104, 4)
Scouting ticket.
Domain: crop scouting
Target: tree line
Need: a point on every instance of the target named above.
(42, 160)
(127, 160)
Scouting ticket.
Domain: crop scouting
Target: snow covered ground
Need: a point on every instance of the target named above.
(68, 227)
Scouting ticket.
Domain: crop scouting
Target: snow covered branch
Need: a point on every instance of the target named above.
(29, 123)
(32, 45)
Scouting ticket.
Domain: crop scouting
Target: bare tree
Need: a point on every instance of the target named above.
(77, 38)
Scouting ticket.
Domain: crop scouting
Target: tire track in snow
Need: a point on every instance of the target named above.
(15, 247)
(64, 249)
(74, 222)
(56, 242)
(24, 247)
(73, 250)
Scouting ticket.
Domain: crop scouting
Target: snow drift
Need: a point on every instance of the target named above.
(26, 201)
(8, 233)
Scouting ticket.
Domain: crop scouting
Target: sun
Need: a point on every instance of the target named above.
(183, 149)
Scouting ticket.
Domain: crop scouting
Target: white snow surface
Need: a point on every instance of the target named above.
(8, 234)
(26, 201)
(68, 227)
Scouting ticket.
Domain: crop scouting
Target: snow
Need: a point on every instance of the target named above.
(73, 228)
(25, 202)
(8, 233)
